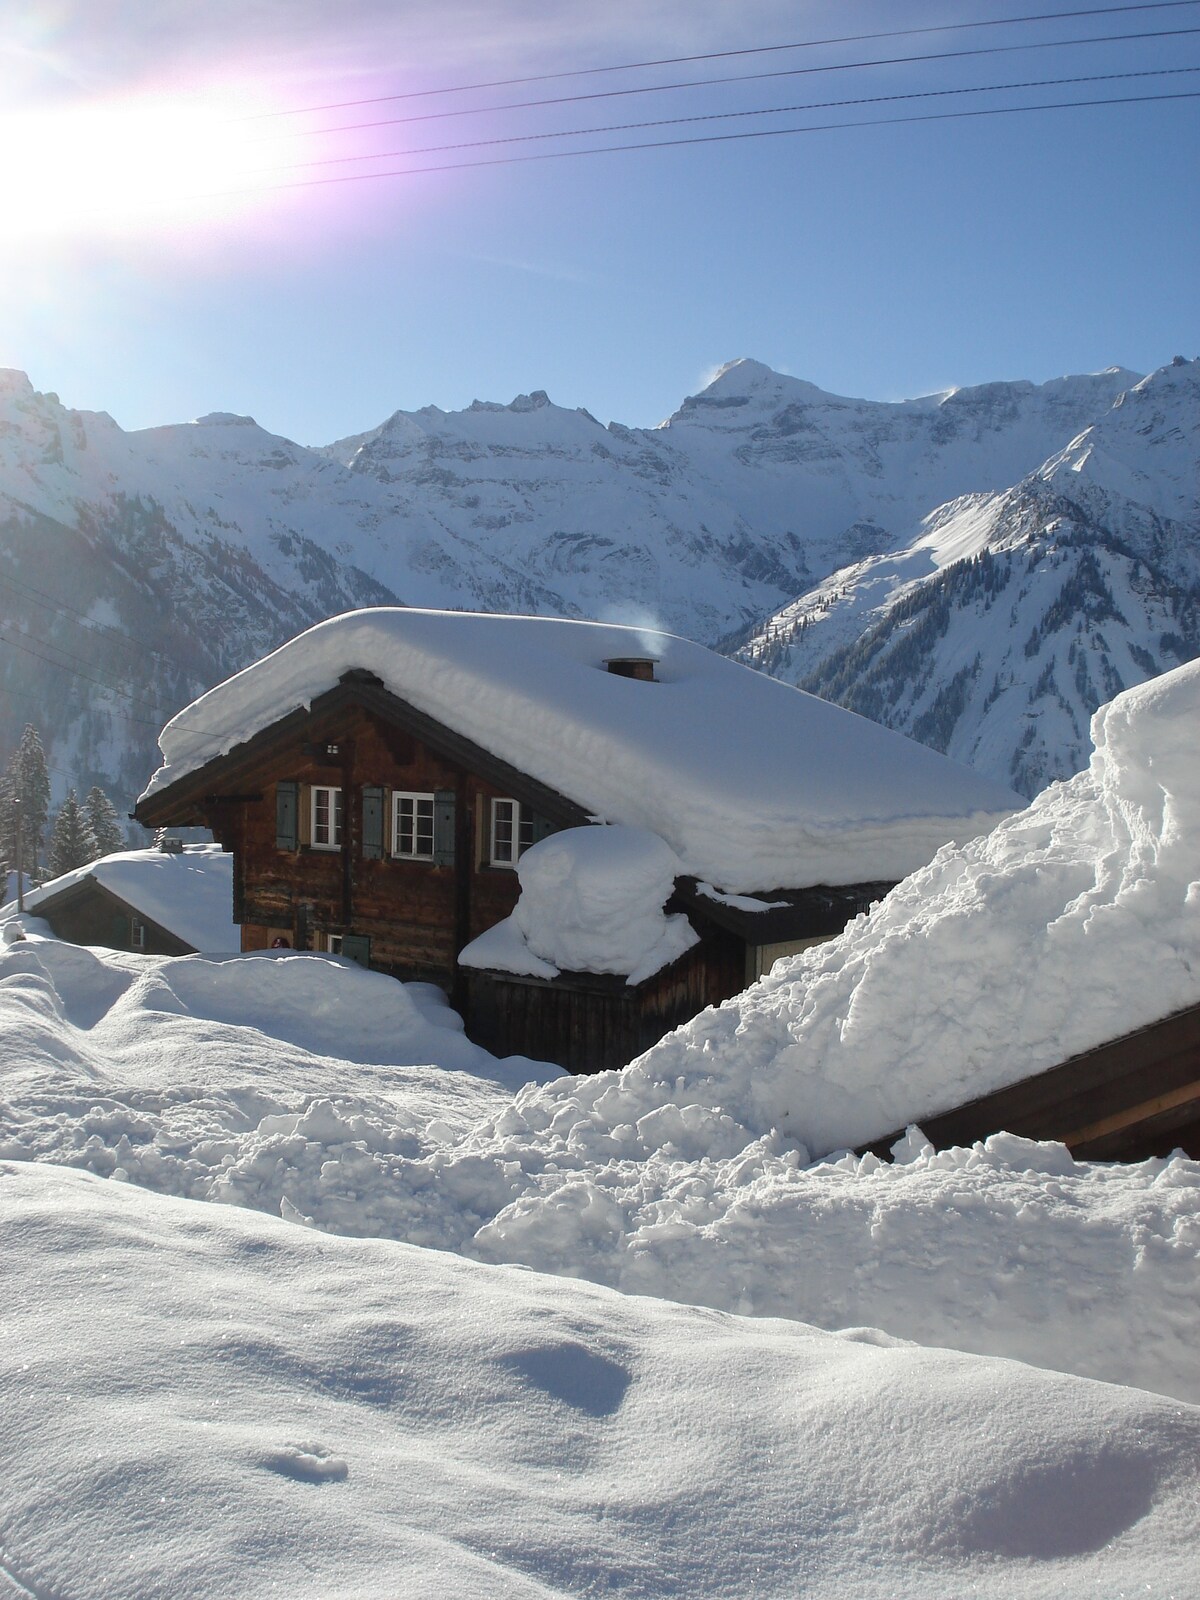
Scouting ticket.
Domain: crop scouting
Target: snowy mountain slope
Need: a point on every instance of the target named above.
(998, 631)
(210, 542)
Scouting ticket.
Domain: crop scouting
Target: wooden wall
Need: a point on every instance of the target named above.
(1127, 1100)
(92, 915)
(417, 915)
(591, 1023)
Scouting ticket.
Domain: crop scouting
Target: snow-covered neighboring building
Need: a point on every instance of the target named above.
(160, 902)
(380, 779)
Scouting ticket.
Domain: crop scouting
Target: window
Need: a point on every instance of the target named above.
(326, 819)
(333, 943)
(412, 826)
(137, 934)
(512, 832)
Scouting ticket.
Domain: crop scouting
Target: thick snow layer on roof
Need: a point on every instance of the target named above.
(755, 785)
(190, 894)
(242, 1407)
(1074, 922)
(591, 901)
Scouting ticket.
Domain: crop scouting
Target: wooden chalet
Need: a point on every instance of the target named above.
(155, 902)
(363, 825)
(89, 912)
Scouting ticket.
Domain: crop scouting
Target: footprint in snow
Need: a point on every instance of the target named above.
(307, 1463)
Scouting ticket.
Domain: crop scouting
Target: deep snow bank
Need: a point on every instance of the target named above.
(1073, 922)
(203, 1402)
(192, 1077)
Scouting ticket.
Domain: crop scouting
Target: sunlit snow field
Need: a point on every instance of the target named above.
(733, 1370)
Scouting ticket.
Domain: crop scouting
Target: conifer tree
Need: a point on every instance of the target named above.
(27, 780)
(72, 842)
(102, 819)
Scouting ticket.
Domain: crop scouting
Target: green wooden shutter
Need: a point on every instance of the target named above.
(372, 823)
(443, 828)
(357, 947)
(542, 827)
(287, 816)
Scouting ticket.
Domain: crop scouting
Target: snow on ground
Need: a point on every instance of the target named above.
(202, 1402)
(753, 784)
(205, 1401)
(282, 1083)
(190, 892)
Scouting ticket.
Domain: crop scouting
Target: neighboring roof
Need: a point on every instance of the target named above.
(1011, 964)
(189, 894)
(754, 784)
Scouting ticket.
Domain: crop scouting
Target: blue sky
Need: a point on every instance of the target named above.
(883, 262)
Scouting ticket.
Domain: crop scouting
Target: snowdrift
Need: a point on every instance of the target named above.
(1071, 923)
(203, 1402)
(296, 1085)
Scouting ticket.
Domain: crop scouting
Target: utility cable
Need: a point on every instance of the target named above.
(724, 116)
(709, 138)
(720, 55)
(93, 625)
(751, 77)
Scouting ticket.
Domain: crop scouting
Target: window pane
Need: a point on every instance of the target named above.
(413, 832)
(503, 817)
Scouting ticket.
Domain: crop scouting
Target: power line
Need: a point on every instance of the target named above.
(84, 677)
(93, 625)
(723, 116)
(750, 77)
(710, 138)
(720, 55)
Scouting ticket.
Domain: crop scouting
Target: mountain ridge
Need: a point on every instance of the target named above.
(213, 541)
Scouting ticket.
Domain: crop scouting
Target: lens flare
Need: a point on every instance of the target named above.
(119, 167)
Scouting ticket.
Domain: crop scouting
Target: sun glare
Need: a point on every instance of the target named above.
(120, 167)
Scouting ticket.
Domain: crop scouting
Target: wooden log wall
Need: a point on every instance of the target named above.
(417, 915)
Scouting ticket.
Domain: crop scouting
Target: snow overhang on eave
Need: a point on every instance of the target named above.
(787, 914)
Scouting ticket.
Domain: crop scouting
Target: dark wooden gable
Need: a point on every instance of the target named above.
(230, 779)
(88, 912)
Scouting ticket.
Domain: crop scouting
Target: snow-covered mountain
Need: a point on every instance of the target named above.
(137, 568)
(1001, 627)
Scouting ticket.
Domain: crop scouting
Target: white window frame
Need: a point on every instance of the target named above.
(419, 798)
(518, 825)
(332, 828)
(333, 944)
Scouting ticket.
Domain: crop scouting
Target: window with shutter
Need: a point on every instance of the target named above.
(513, 831)
(413, 826)
(326, 818)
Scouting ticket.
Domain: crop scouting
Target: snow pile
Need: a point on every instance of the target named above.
(241, 1407)
(190, 893)
(753, 784)
(591, 901)
(293, 1084)
(1075, 922)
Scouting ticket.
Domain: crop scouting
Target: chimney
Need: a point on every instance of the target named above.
(640, 667)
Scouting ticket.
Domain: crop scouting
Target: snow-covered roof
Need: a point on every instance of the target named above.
(1073, 923)
(754, 784)
(189, 894)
